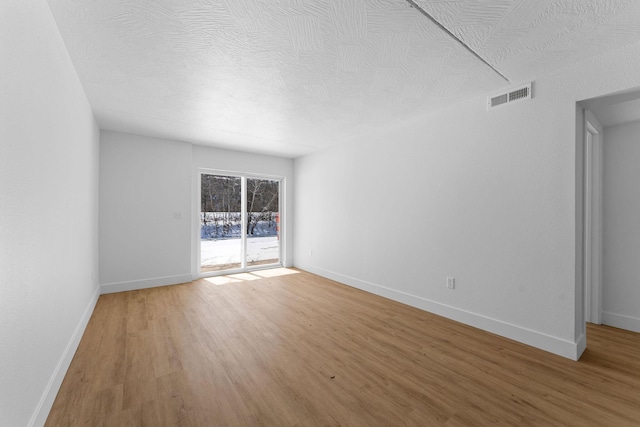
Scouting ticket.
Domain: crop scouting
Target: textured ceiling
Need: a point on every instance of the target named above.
(288, 77)
(524, 38)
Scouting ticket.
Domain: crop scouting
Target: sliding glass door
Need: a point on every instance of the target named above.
(239, 222)
(263, 221)
(220, 222)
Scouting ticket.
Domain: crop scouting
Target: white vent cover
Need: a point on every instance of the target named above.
(518, 94)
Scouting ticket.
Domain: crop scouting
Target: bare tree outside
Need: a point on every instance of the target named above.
(262, 203)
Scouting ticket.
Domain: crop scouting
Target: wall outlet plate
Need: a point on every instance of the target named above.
(451, 282)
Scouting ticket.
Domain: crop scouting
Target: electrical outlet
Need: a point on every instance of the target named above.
(451, 282)
(310, 252)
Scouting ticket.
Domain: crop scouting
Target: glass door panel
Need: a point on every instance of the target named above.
(263, 221)
(221, 242)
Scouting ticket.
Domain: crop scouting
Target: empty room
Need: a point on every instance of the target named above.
(327, 212)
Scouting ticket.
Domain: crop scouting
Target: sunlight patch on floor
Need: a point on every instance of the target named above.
(222, 280)
(275, 272)
(246, 277)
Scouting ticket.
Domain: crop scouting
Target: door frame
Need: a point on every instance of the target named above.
(244, 176)
(593, 152)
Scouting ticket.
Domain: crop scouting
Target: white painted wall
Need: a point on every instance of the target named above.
(236, 161)
(145, 202)
(148, 208)
(486, 197)
(48, 211)
(621, 229)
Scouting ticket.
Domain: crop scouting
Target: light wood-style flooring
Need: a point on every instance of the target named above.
(287, 348)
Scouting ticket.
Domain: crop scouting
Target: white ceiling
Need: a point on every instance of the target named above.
(288, 77)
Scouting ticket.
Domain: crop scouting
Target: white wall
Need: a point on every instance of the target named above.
(486, 197)
(236, 161)
(145, 202)
(621, 227)
(148, 208)
(48, 211)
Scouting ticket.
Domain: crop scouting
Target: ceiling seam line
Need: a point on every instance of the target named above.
(413, 4)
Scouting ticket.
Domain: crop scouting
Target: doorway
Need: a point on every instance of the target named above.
(610, 207)
(240, 222)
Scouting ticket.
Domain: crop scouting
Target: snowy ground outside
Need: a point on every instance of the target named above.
(225, 252)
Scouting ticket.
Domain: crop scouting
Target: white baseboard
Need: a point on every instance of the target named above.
(621, 321)
(41, 413)
(581, 346)
(134, 285)
(555, 345)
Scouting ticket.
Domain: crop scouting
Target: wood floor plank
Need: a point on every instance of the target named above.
(288, 348)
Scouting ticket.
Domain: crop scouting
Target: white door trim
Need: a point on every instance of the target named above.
(593, 218)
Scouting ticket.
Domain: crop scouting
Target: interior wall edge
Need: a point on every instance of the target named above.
(551, 344)
(621, 321)
(53, 386)
(579, 326)
(134, 285)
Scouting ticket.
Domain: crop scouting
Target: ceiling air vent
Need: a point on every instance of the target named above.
(517, 94)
